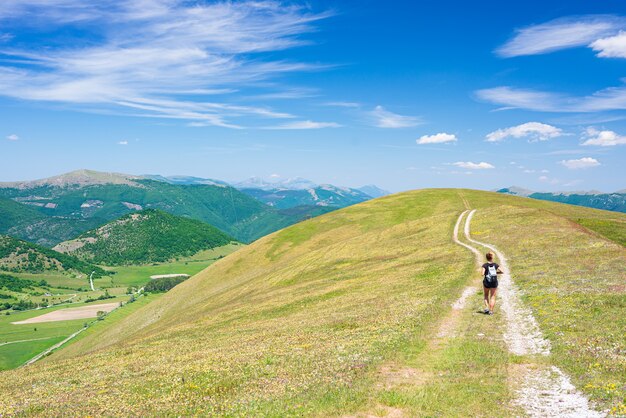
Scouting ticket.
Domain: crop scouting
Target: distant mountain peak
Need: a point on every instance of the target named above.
(293, 183)
(374, 191)
(79, 178)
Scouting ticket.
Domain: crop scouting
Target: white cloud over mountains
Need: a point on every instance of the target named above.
(383, 118)
(473, 166)
(534, 131)
(582, 163)
(153, 58)
(605, 138)
(439, 138)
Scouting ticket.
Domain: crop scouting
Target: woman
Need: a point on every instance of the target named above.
(490, 271)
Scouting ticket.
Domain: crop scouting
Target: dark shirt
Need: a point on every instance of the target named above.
(486, 267)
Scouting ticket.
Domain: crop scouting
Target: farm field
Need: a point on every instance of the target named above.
(37, 337)
(40, 336)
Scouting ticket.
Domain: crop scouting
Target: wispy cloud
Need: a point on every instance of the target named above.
(145, 54)
(613, 98)
(534, 131)
(343, 104)
(122, 143)
(383, 118)
(582, 163)
(439, 138)
(473, 166)
(305, 124)
(560, 34)
(13, 137)
(605, 138)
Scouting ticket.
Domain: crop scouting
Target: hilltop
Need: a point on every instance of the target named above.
(142, 237)
(78, 178)
(343, 313)
(19, 256)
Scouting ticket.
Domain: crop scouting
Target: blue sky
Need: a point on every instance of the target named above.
(400, 94)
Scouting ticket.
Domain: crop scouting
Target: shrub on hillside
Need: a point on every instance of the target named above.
(163, 284)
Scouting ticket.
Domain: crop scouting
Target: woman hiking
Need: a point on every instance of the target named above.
(490, 271)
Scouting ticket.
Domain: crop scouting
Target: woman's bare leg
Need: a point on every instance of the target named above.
(486, 297)
(492, 298)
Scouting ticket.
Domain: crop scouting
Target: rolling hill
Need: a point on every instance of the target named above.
(142, 237)
(344, 313)
(607, 201)
(19, 256)
(76, 202)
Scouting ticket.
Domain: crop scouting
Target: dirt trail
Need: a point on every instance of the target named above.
(542, 391)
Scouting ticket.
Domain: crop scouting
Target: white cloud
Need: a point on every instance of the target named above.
(585, 162)
(122, 143)
(145, 54)
(611, 47)
(561, 34)
(613, 98)
(305, 124)
(13, 137)
(274, 176)
(437, 138)
(473, 166)
(606, 138)
(534, 131)
(344, 104)
(385, 119)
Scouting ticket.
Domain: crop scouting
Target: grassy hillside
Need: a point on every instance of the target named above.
(65, 211)
(142, 237)
(303, 321)
(19, 256)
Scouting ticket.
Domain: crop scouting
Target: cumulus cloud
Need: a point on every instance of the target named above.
(473, 166)
(305, 124)
(144, 56)
(560, 34)
(385, 119)
(585, 162)
(437, 138)
(534, 131)
(611, 47)
(606, 138)
(13, 137)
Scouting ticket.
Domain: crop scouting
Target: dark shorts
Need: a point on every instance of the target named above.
(490, 285)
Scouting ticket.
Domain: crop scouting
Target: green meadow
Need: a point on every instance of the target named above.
(348, 314)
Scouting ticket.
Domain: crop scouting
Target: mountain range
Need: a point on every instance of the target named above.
(593, 199)
(60, 208)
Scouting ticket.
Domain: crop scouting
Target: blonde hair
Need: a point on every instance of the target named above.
(489, 256)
